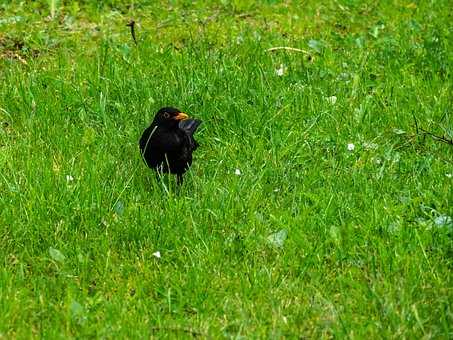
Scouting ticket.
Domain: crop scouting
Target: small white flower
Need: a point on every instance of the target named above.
(351, 147)
(332, 100)
(237, 172)
(298, 86)
(280, 71)
(449, 175)
(276, 190)
(443, 221)
(69, 178)
(157, 254)
(344, 76)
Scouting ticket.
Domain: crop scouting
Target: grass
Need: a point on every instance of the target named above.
(310, 240)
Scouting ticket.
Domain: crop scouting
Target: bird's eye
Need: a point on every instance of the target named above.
(166, 115)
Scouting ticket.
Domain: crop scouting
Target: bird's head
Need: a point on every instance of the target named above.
(169, 117)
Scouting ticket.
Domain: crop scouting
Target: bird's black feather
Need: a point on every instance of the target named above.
(189, 125)
(167, 144)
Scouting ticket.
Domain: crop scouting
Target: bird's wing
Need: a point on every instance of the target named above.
(166, 141)
(155, 138)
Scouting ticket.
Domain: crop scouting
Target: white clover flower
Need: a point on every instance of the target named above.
(280, 71)
(332, 100)
(237, 172)
(351, 146)
(444, 221)
(157, 254)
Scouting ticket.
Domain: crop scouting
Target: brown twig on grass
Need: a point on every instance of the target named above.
(131, 24)
(442, 139)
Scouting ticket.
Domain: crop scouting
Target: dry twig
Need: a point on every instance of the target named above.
(131, 24)
(442, 139)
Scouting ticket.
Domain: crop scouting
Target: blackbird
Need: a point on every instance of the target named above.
(167, 144)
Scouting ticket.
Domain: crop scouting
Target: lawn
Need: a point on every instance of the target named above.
(319, 203)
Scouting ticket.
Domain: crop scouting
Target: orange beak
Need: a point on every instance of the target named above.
(181, 116)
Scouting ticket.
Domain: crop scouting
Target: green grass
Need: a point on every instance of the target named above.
(369, 243)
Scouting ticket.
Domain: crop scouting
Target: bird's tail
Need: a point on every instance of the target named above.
(189, 125)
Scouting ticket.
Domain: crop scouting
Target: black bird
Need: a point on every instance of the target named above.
(167, 144)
